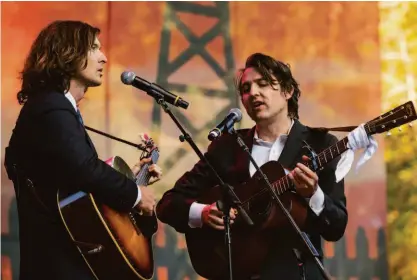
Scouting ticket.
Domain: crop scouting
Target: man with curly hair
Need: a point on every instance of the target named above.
(50, 147)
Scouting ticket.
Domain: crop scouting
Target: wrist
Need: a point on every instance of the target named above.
(205, 213)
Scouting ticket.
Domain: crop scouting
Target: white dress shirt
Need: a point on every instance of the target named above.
(262, 152)
(71, 99)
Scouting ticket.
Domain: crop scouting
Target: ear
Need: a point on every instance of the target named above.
(289, 94)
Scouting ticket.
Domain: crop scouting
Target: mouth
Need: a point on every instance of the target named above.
(100, 71)
(257, 104)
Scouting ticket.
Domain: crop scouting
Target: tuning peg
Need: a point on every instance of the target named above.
(400, 129)
(389, 133)
(410, 124)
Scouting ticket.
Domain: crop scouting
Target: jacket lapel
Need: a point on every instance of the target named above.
(89, 141)
(242, 157)
(288, 158)
(292, 148)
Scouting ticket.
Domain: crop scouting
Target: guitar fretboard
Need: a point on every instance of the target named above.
(284, 184)
(142, 179)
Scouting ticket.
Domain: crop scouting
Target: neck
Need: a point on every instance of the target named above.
(77, 90)
(269, 131)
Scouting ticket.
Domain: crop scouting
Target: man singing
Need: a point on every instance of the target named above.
(51, 147)
(270, 96)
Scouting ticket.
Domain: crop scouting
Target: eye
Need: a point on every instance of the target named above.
(95, 47)
(245, 88)
(263, 83)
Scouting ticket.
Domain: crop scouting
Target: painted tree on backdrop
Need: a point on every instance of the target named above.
(399, 51)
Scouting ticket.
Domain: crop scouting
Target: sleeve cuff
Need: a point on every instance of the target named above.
(317, 201)
(195, 215)
(138, 198)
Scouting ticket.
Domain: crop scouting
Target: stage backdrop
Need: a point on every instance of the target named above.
(193, 49)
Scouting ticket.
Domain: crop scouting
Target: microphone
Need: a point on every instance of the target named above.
(234, 116)
(130, 78)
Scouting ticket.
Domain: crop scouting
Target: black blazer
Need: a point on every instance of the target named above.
(232, 164)
(51, 147)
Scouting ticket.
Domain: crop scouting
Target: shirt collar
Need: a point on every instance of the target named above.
(71, 99)
(258, 140)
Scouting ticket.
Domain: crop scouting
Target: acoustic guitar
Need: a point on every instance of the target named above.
(114, 245)
(250, 244)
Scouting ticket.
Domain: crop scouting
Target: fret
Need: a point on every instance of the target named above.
(319, 160)
(274, 187)
(338, 148)
(144, 176)
(279, 187)
(331, 154)
(288, 182)
(345, 141)
(324, 155)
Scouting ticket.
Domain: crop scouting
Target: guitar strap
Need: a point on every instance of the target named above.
(341, 128)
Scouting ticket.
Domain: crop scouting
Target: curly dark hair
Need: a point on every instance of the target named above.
(268, 66)
(58, 53)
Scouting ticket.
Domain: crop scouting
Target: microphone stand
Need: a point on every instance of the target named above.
(230, 198)
(302, 235)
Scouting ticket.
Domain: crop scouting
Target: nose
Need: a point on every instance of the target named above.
(254, 89)
(103, 58)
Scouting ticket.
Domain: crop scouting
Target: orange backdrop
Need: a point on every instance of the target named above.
(332, 48)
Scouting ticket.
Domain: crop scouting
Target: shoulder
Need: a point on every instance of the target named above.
(46, 102)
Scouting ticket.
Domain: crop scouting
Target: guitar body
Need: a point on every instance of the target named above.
(114, 245)
(206, 246)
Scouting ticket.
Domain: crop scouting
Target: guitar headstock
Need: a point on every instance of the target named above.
(150, 149)
(396, 117)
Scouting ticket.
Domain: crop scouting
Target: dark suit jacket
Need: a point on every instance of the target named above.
(52, 148)
(232, 164)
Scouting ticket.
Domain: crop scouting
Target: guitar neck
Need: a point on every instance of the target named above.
(284, 184)
(396, 117)
(142, 179)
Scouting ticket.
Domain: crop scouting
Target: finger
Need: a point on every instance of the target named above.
(306, 170)
(302, 178)
(156, 170)
(144, 160)
(233, 213)
(293, 179)
(305, 158)
(216, 212)
(216, 226)
(153, 167)
(216, 220)
(312, 176)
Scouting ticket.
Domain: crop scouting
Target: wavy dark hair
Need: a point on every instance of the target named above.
(58, 53)
(268, 66)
